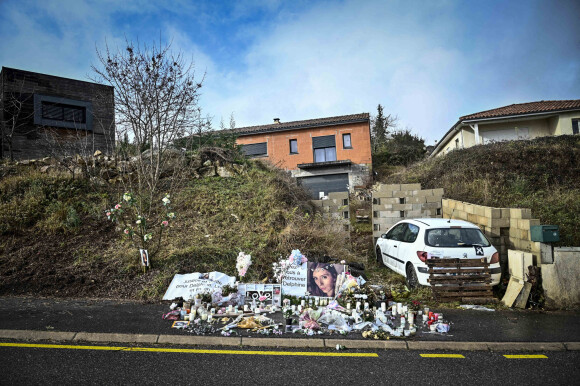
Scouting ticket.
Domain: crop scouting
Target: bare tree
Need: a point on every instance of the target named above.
(156, 102)
(381, 127)
(15, 115)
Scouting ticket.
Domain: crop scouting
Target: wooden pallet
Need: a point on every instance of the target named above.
(464, 280)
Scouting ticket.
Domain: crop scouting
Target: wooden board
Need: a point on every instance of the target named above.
(460, 279)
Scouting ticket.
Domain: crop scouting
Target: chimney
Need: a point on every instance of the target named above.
(277, 120)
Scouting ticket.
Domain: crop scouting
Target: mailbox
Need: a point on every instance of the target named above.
(545, 233)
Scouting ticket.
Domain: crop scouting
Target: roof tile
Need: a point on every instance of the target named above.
(282, 126)
(525, 108)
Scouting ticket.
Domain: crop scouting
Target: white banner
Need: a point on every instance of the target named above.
(188, 285)
(295, 280)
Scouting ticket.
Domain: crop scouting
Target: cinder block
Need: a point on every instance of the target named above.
(403, 207)
(472, 218)
(479, 210)
(526, 213)
(500, 222)
(505, 212)
(410, 186)
(459, 206)
(423, 193)
(381, 194)
(413, 214)
(492, 212)
(526, 223)
(415, 200)
(389, 187)
(438, 192)
(338, 195)
(402, 193)
(433, 199)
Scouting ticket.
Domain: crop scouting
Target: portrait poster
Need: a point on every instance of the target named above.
(144, 256)
(269, 294)
(324, 279)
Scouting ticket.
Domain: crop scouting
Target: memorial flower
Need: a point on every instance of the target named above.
(243, 263)
(147, 237)
(127, 196)
(297, 258)
(171, 215)
(166, 200)
(165, 223)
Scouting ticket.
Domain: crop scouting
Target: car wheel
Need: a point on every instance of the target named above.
(412, 280)
(379, 256)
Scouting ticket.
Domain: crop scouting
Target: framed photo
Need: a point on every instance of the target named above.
(144, 256)
(180, 324)
(324, 279)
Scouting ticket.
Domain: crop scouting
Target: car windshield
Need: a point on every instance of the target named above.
(455, 237)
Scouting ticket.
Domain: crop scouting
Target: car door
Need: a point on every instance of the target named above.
(391, 245)
(407, 248)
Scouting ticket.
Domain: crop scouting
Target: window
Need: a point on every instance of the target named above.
(62, 112)
(397, 232)
(346, 144)
(256, 149)
(575, 128)
(457, 143)
(293, 146)
(411, 233)
(324, 148)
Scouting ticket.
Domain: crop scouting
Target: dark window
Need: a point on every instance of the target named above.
(377, 227)
(65, 113)
(411, 233)
(324, 148)
(62, 112)
(345, 214)
(401, 200)
(575, 128)
(455, 238)
(255, 149)
(376, 201)
(346, 144)
(397, 232)
(345, 201)
(293, 146)
(325, 154)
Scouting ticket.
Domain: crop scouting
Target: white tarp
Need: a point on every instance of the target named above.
(190, 284)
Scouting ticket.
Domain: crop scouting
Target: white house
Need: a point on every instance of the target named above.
(518, 121)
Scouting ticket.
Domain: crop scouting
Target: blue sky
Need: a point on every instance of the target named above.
(428, 62)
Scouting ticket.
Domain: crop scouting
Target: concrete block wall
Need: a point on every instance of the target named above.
(395, 202)
(337, 207)
(506, 228)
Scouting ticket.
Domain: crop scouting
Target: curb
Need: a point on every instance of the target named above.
(32, 335)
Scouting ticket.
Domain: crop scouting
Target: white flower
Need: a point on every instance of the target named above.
(127, 196)
(147, 237)
(138, 221)
(166, 200)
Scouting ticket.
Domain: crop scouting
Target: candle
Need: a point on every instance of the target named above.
(405, 309)
(399, 308)
(411, 318)
(293, 307)
(426, 310)
(299, 308)
(204, 316)
(230, 308)
(366, 305)
(357, 306)
(209, 318)
(384, 307)
(425, 317)
(303, 303)
(212, 311)
(394, 309)
(354, 314)
(246, 307)
(348, 306)
(192, 315)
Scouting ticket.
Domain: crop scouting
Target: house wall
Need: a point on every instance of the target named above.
(32, 141)
(563, 125)
(279, 144)
(336, 206)
(535, 128)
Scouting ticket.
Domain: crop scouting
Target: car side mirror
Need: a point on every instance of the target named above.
(384, 236)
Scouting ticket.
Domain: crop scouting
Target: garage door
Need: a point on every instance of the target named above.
(329, 183)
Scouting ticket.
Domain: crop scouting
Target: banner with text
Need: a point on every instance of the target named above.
(191, 284)
(294, 280)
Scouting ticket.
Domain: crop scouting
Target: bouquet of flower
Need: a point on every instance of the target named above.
(243, 263)
(297, 258)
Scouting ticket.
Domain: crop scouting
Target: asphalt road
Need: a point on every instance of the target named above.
(99, 365)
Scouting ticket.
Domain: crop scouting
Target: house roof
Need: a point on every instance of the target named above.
(525, 108)
(514, 110)
(283, 126)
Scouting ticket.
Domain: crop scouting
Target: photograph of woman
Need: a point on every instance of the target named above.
(144, 257)
(322, 278)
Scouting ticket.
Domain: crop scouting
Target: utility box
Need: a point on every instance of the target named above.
(545, 233)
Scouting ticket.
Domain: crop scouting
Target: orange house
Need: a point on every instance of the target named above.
(325, 155)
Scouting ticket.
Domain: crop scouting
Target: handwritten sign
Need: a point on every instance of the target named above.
(191, 284)
(295, 280)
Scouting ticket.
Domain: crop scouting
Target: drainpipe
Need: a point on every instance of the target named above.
(475, 128)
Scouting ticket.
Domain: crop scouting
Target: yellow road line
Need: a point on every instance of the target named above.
(192, 351)
(442, 356)
(526, 356)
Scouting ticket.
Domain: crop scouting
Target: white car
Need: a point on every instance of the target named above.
(409, 243)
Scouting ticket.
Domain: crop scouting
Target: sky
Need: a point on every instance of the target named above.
(426, 62)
